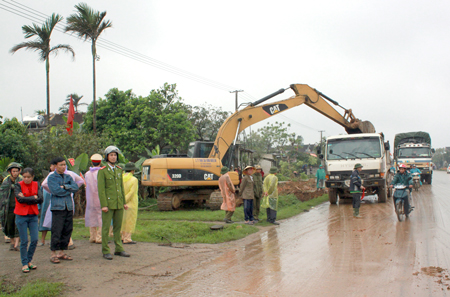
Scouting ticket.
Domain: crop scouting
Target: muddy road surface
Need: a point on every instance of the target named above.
(327, 252)
(324, 252)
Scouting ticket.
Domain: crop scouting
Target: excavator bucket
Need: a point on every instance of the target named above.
(359, 126)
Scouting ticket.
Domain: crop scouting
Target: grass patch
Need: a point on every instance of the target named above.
(37, 288)
(193, 226)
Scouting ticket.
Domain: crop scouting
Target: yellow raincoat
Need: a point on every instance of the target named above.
(271, 188)
(131, 186)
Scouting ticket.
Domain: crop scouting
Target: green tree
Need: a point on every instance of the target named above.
(89, 24)
(16, 143)
(441, 158)
(42, 45)
(140, 123)
(207, 120)
(40, 112)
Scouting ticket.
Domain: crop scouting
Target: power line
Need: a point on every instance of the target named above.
(32, 14)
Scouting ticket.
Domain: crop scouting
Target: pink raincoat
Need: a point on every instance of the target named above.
(227, 189)
(93, 215)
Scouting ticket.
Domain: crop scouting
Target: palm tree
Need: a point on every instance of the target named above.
(76, 102)
(42, 45)
(88, 24)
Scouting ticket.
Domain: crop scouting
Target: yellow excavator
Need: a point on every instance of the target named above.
(194, 177)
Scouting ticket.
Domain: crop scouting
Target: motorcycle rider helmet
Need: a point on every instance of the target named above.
(111, 149)
(401, 166)
(413, 165)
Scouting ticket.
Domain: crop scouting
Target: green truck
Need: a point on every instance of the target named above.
(415, 148)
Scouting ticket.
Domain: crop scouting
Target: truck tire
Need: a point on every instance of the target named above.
(332, 196)
(382, 194)
(429, 179)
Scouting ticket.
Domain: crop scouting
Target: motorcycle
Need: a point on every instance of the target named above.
(400, 196)
(416, 180)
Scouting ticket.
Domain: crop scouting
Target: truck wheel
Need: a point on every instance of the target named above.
(382, 194)
(429, 179)
(332, 196)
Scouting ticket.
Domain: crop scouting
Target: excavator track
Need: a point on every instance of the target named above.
(165, 201)
(215, 201)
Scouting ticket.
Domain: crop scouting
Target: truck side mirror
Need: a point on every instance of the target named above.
(320, 156)
(387, 146)
(433, 150)
(319, 150)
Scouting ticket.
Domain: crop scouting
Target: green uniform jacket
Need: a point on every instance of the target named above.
(110, 187)
(257, 185)
(5, 196)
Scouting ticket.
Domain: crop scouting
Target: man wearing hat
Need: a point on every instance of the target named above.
(270, 201)
(258, 190)
(356, 189)
(228, 194)
(247, 193)
(320, 176)
(93, 215)
(112, 201)
(8, 203)
(131, 187)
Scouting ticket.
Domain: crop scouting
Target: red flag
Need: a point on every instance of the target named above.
(70, 117)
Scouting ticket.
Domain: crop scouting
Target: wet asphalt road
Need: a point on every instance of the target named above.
(326, 252)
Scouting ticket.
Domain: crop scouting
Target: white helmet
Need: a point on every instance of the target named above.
(111, 149)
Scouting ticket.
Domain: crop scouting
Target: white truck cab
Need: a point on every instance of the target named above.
(341, 154)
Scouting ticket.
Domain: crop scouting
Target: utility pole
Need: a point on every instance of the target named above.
(236, 92)
(320, 143)
(321, 131)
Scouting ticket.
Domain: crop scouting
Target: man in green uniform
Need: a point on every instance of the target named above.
(258, 191)
(8, 203)
(112, 200)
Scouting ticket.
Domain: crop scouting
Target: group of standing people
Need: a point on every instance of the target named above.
(111, 200)
(254, 192)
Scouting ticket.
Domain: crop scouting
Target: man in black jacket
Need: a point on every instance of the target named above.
(356, 189)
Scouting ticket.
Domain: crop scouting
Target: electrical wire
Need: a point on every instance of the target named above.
(34, 15)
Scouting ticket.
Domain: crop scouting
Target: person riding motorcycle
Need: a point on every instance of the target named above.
(403, 178)
(414, 169)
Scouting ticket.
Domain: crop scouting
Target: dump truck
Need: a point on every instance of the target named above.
(415, 148)
(343, 152)
(194, 177)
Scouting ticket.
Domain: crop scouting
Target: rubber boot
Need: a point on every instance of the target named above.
(354, 212)
(357, 213)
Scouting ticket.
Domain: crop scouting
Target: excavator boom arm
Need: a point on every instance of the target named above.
(255, 113)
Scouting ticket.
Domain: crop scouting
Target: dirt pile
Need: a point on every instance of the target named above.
(303, 190)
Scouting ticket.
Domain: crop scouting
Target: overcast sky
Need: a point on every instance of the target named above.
(386, 60)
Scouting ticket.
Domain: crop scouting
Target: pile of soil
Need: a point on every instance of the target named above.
(303, 190)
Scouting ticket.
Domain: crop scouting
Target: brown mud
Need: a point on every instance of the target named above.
(303, 190)
(324, 252)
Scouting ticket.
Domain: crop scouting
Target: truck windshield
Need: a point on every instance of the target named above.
(351, 148)
(414, 152)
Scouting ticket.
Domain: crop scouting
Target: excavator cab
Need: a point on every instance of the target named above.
(199, 149)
